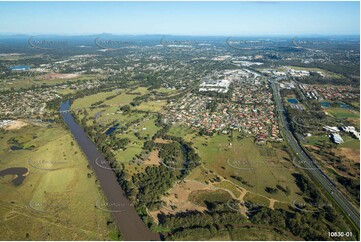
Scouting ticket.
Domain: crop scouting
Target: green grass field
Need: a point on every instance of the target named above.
(64, 80)
(165, 90)
(151, 106)
(57, 198)
(350, 143)
(258, 234)
(255, 199)
(121, 98)
(200, 197)
(317, 140)
(109, 115)
(146, 129)
(342, 113)
(258, 166)
(87, 101)
(181, 131)
(29, 82)
(66, 91)
(229, 186)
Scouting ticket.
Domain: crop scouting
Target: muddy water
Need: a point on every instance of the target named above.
(19, 173)
(127, 219)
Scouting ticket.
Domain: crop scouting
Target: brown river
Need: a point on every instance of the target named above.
(129, 223)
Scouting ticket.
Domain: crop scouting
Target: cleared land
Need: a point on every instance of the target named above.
(232, 169)
(257, 170)
(17, 124)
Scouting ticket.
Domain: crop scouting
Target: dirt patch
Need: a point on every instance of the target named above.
(177, 201)
(16, 124)
(153, 158)
(53, 76)
(162, 141)
(272, 203)
(351, 154)
(314, 150)
(244, 192)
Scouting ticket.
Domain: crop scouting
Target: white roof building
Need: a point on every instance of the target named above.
(337, 138)
(220, 86)
(331, 129)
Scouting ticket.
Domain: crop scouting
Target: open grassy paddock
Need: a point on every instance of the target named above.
(59, 193)
(152, 106)
(342, 113)
(257, 167)
(241, 168)
(31, 81)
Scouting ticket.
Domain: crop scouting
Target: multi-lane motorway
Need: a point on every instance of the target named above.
(309, 164)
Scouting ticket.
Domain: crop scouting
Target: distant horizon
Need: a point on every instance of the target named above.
(193, 35)
(182, 18)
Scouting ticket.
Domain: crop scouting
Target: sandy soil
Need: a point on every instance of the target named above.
(52, 76)
(351, 154)
(162, 141)
(243, 193)
(272, 203)
(177, 201)
(17, 124)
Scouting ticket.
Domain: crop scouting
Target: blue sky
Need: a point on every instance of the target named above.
(188, 18)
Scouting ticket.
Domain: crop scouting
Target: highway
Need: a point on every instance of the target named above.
(309, 164)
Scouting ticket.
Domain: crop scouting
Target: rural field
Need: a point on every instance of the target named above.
(342, 113)
(140, 122)
(232, 169)
(47, 80)
(116, 98)
(56, 201)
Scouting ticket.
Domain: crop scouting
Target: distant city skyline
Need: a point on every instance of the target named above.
(181, 18)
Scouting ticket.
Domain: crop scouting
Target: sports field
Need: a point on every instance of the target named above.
(342, 113)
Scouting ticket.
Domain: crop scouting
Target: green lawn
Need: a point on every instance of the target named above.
(350, 143)
(66, 91)
(342, 113)
(181, 131)
(152, 106)
(121, 98)
(145, 128)
(317, 140)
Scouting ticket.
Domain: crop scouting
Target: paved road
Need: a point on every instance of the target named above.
(309, 164)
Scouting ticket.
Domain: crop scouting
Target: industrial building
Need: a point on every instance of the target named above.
(220, 86)
(337, 138)
(331, 129)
